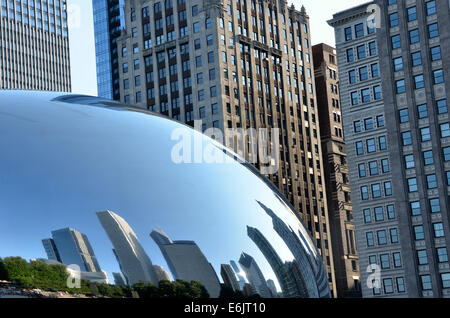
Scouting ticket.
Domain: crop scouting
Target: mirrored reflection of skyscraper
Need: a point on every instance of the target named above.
(254, 275)
(133, 260)
(69, 246)
(228, 276)
(50, 249)
(272, 288)
(281, 270)
(187, 262)
(313, 274)
(239, 274)
(119, 279)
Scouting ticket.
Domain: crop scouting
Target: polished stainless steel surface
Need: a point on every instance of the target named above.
(108, 171)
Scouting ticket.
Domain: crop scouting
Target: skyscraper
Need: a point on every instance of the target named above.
(69, 246)
(187, 262)
(34, 44)
(254, 275)
(119, 279)
(285, 278)
(108, 23)
(50, 249)
(234, 65)
(394, 82)
(239, 274)
(340, 215)
(229, 277)
(133, 260)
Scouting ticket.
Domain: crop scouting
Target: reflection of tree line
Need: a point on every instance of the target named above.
(302, 277)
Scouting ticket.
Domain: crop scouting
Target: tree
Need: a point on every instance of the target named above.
(3, 271)
(228, 293)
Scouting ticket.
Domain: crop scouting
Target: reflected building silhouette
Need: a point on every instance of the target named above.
(119, 279)
(161, 273)
(281, 270)
(229, 278)
(272, 288)
(133, 260)
(239, 274)
(254, 275)
(68, 247)
(312, 276)
(187, 262)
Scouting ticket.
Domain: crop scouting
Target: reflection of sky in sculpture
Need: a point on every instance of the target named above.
(61, 163)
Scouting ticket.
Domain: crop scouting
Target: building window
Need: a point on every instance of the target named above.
(367, 216)
(412, 14)
(446, 153)
(397, 259)
(445, 130)
(368, 124)
(435, 205)
(428, 158)
(373, 168)
(361, 51)
(382, 238)
(379, 215)
(415, 208)
(425, 134)
(390, 211)
(396, 42)
(409, 161)
(438, 230)
(419, 82)
(371, 145)
(406, 138)
(412, 185)
(426, 282)
(438, 76)
(364, 193)
(400, 284)
(418, 233)
(348, 34)
(355, 99)
(442, 254)
(382, 142)
(433, 30)
(350, 55)
(393, 19)
(359, 30)
(372, 48)
(380, 121)
(388, 188)
(416, 58)
(422, 111)
(362, 170)
(431, 7)
(404, 115)
(400, 86)
(414, 36)
(357, 126)
(398, 64)
(384, 261)
(445, 278)
(422, 258)
(435, 53)
(370, 239)
(374, 70)
(442, 106)
(359, 148)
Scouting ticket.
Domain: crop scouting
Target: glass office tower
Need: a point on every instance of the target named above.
(108, 21)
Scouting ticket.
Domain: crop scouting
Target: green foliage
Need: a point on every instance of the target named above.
(167, 289)
(3, 271)
(38, 274)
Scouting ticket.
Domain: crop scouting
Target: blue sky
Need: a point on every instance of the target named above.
(82, 35)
